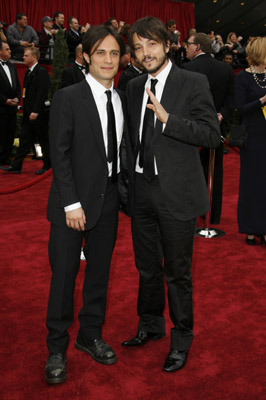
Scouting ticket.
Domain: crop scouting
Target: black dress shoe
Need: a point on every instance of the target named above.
(250, 242)
(142, 337)
(97, 348)
(41, 171)
(11, 170)
(4, 163)
(55, 369)
(262, 240)
(175, 360)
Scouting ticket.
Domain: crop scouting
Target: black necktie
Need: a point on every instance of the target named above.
(111, 136)
(146, 156)
(26, 77)
(3, 63)
(81, 67)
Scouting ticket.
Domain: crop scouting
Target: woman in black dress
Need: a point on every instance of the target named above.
(250, 90)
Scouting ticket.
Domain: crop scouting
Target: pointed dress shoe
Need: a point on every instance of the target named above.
(11, 170)
(250, 242)
(142, 337)
(41, 171)
(97, 348)
(55, 369)
(175, 360)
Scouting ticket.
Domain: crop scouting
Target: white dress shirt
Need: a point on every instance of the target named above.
(100, 98)
(161, 77)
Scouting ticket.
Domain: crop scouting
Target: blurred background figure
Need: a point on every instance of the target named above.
(9, 99)
(75, 73)
(124, 32)
(74, 36)
(221, 80)
(47, 37)
(134, 69)
(20, 36)
(2, 30)
(59, 20)
(233, 45)
(250, 95)
(35, 120)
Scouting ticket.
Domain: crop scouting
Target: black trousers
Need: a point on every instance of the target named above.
(152, 220)
(8, 130)
(64, 253)
(29, 131)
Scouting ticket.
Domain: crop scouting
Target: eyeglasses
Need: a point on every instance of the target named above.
(189, 43)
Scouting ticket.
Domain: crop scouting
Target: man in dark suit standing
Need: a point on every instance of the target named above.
(131, 72)
(74, 36)
(221, 79)
(75, 73)
(170, 189)
(9, 99)
(34, 124)
(86, 127)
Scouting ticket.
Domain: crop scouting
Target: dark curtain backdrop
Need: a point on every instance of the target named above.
(97, 11)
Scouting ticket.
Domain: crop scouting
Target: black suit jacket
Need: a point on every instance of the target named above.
(78, 154)
(36, 91)
(192, 122)
(126, 76)
(221, 79)
(73, 40)
(71, 75)
(6, 90)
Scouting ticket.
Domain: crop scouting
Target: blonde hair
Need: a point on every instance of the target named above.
(228, 40)
(256, 51)
(35, 51)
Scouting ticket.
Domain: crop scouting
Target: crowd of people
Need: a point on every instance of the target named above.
(141, 147)
(20, 35)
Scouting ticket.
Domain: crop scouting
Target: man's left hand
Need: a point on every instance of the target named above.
(156, 107)
(33, 116)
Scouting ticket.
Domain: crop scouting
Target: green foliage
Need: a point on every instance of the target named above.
(59, 62)
(19, 122)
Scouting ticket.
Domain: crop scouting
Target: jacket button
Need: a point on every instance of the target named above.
(102, 195)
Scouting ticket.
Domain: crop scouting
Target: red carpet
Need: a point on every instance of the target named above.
(227, 358)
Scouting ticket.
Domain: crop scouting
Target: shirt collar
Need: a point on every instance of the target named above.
(73, 30)
(32, 68)
(137, 69)
(80, 65)
(97, 88)
(200, 54)
(162, 76)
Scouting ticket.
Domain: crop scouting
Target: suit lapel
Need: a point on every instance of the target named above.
(4, 75)
(171, 91)
(13, 76)
(31, 75)
(137, 106)
(92, 115)
(79, 74)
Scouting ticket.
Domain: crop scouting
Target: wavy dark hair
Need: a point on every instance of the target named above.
(150, 28)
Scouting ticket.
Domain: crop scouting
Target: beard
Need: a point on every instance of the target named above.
(160, 63)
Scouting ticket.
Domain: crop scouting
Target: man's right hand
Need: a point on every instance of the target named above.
(23, 43)
(76, 219)
(12, 102)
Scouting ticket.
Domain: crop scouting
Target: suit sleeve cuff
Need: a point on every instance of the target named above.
(72, 207)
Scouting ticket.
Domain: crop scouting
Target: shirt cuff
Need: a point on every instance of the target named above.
(72, 207)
